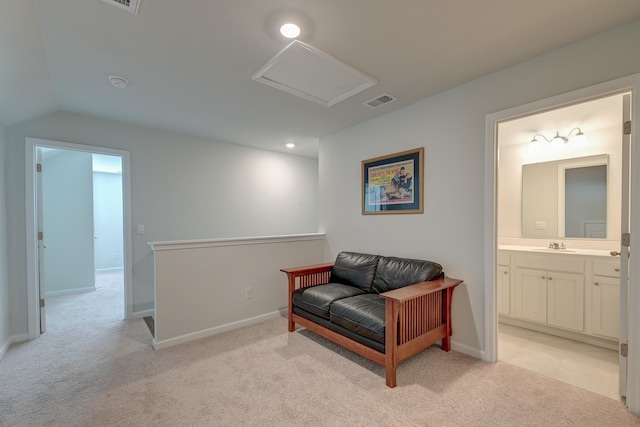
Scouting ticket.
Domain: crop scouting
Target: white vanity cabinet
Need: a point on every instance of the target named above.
(605, 300)
(504, 283)
(552, 297)
(570, 294)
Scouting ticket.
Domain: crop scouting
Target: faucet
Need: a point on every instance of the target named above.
(556, 245)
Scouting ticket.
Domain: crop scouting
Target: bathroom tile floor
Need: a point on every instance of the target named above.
(583, 365)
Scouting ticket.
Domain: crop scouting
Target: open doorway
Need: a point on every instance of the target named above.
(78, 250)
(558, 289)
(83, 246)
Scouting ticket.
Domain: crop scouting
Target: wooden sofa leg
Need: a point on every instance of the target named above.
(391, 310)
(447, 296)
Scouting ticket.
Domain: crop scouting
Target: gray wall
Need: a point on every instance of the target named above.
(108, 225)
(5, 330)
(182, 188)
(451, 127)
(67, 204)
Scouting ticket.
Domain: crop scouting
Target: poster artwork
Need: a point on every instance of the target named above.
(391, 183)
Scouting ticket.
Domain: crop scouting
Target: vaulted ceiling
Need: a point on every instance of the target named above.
(190, 63)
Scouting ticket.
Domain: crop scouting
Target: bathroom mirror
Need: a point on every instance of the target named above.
(565, 198)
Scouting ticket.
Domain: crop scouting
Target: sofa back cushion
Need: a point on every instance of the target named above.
(393, 273)
(355, 269)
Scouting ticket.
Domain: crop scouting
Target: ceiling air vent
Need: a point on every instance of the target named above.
(130, 6)
(380, 100)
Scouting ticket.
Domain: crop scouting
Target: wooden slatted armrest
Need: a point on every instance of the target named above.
(303, 277)
(309, 269)
(423, 288)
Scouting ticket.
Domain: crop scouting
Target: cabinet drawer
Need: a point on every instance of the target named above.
(558, 262)
(606, 268)
(504, 258)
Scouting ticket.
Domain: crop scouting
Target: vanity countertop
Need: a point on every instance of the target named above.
(568, 251)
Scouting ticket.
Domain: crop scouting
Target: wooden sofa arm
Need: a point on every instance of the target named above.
(419, 289)
(303, 277)
(415, 317)
(308, 269)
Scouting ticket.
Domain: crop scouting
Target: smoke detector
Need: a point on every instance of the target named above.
(130, 6)
(379, 101)
(119, 82)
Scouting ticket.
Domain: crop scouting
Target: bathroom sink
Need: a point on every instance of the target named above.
(553, 250)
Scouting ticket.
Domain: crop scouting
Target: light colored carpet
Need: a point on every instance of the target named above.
(93, 369)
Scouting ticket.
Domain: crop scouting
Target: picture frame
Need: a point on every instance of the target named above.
(394, 184)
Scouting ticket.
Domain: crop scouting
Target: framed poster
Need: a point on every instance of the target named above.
(393, 184)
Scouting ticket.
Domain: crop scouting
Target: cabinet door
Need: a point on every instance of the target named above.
(531, 294)
(504, 291)
(606, 307)
(566, 300)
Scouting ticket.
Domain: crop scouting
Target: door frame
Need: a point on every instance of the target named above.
(626, 84)
(33, 297)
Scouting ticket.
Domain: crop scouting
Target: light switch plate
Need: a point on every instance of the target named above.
(140, 229)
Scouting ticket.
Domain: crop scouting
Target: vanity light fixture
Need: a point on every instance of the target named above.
(559, 140)
(290, 145)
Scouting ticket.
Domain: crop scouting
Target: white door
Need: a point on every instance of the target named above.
(41, 243)
(624, 247)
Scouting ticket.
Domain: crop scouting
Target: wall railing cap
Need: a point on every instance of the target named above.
(232, 241)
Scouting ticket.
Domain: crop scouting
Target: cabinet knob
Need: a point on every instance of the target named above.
(616, 269)
(542, 277)
(596, 283)
(505, 272)
(550, 278)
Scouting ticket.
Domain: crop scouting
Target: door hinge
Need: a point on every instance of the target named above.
(41, 303)
(624, 349)
(626, 239)
(626, 128)
(40, 235)
(39, 166)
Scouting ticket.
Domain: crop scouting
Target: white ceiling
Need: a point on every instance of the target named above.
(190, 62)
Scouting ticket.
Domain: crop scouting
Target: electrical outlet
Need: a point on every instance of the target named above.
(248, 293)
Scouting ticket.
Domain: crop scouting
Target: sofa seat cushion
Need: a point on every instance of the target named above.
(393, 273)
(355, 269)
(317, 299)
(361, 314)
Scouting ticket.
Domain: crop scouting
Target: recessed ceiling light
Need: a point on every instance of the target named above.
(290, 30)
(290, 145)
(119, 82)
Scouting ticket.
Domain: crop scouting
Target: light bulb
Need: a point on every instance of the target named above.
(290, 30)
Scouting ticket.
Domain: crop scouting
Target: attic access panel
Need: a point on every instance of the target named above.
(302, 70)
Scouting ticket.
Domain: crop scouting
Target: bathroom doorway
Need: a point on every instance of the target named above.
(529, 335)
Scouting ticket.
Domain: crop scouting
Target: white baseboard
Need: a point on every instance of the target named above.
(470, 351)
(158, 345)
(49, 294)
(12, 340)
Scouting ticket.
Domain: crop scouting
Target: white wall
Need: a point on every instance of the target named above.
(512, 157)
(201, 286)
(182, 188)
(108, 220)
(451, 127)
(67, 206)
(5, 331)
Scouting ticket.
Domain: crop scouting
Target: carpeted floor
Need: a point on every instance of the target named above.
(99, 370)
